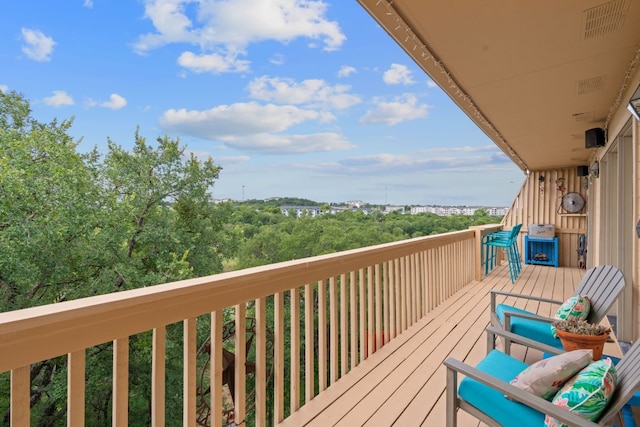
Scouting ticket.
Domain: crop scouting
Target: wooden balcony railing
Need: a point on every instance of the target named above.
(330, 311)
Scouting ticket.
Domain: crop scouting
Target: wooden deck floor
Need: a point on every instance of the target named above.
(403, 383)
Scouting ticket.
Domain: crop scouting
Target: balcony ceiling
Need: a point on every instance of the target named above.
(533, 75)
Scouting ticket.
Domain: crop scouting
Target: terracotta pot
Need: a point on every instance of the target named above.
(578, 342)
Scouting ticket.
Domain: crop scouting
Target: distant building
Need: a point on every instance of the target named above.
(421, 209)
(456, 210)
(217, 201)
(301, 210)
(355, 203)
(497, 211)
(391, 208)
(335, 210)
(468, 211)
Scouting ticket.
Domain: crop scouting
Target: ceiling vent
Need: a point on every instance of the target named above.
(605, 19)
(591, 85)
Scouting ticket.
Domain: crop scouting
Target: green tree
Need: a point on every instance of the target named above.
(157, 213)
(75, 225)
(49, 202)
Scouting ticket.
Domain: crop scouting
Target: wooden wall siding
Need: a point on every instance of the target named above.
(539, 201)
(362, 298)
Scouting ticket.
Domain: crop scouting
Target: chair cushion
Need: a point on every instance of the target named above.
(492, 402)
(538, 331)
(576, 307)
(587, 393)
(546, 377)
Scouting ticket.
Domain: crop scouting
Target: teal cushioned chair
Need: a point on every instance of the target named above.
(602, 285)
(485, 391)
(505, 368)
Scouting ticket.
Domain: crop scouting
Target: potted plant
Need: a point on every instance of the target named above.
(580, 334)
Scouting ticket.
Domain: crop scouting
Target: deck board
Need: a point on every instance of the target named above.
(403, 383)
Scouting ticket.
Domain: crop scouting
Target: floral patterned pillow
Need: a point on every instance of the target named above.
(577, 307)
(587, 393)
(544, 378)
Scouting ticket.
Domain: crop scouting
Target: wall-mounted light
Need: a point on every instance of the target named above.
(595, 169)
(634, 104)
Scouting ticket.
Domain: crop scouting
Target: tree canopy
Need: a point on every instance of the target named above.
(75, 224)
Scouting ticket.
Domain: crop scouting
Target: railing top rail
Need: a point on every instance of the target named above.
(487, 228)
(39, 333)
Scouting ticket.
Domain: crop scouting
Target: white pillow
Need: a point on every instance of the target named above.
(546, 377)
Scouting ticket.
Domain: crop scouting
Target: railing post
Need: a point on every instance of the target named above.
(120, 405)
(309, 342)
(240, 373)
(215, 370)
(20, 396)
(189, 372)
(158, 379)
(76, 388)
(477, 230)
(294, 349)
(261, 363)
(278, 389)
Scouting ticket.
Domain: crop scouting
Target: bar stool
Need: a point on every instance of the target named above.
(507, 240)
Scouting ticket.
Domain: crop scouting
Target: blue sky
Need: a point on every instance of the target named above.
(296, 98)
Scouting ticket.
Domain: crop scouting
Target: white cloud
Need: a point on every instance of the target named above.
(232, 160)
(253, 127)
(115, 102)
(58, 99)
(346, 71)
(398, 74)
(277, 59)
(431, 84)
(313, 92)
(290, 144)
(37, 45)
(4, 88)
(226, 28)
(400, 164)
(88, 4)
(463, 149)
(172, 24)
(240, 118)
(399, 110)
(212, 63)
